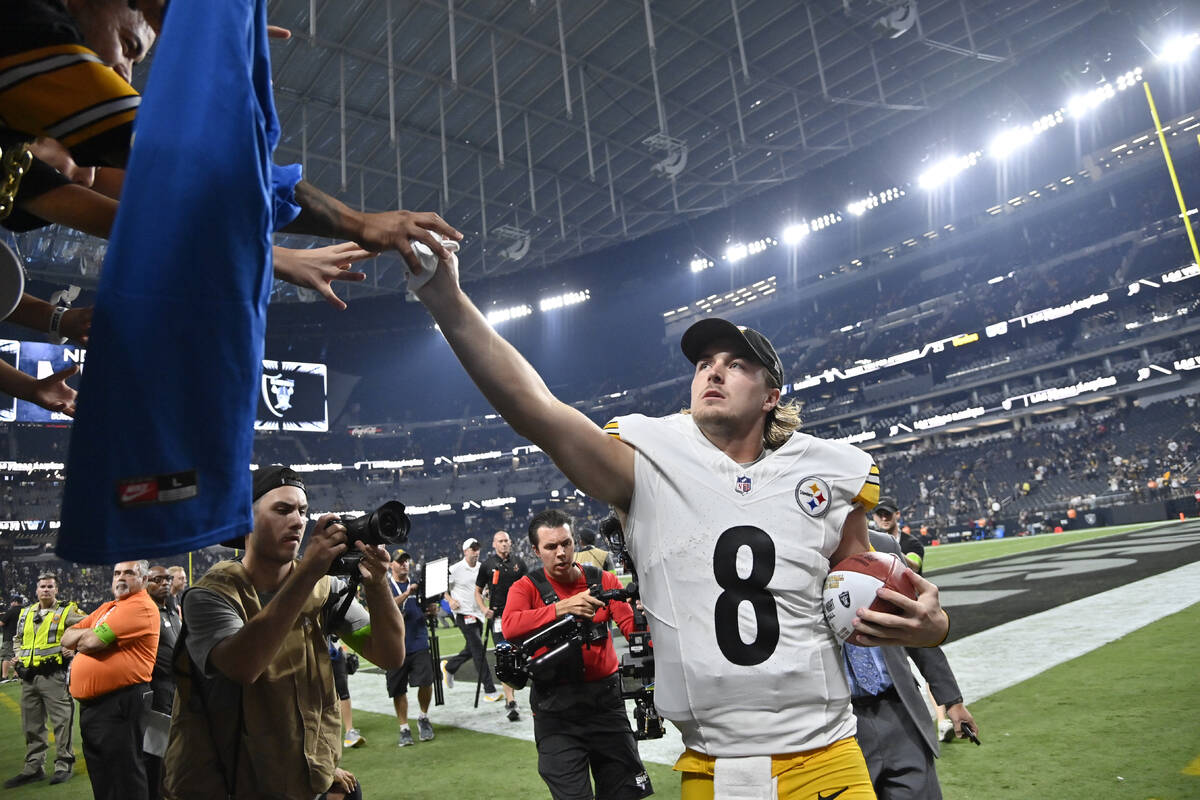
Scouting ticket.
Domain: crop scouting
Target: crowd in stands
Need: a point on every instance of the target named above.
(986, 269)
(1084, 458)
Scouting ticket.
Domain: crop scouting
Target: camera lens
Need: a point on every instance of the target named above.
(390, 524)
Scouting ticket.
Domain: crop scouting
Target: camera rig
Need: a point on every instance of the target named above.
(554, 653)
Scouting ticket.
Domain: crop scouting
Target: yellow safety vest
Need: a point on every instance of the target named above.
(593, 555)
(42, 643)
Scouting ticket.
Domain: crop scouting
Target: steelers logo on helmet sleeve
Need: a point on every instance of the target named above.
(813, 496)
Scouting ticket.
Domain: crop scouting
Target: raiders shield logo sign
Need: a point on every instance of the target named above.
(277, 393)
(844, 598)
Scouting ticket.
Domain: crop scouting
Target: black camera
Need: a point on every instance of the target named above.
(387, 525)
(551, 655)
(637, 665)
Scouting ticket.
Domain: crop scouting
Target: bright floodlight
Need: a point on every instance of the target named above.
(792, 234)
(1005, 143)
(1178, 48)
(945, 169)
(735, 253)
(563, 300)
(1080, 104)
(500, 315)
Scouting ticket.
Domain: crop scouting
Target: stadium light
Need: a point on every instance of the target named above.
(496, 316)
(735, 253)
(700, 264)
(946, 169)
(793, 234)
(1081, 104)
(1177, 49)
(563, 300)
(1129, 79)
(1005, 143)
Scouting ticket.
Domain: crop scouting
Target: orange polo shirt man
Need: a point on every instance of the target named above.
(117, 645)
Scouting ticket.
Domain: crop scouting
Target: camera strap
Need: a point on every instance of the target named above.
(591, 575)
(346, 596)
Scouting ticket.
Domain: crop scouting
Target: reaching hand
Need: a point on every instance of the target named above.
(393, 230)
(317, 268)
(75, 324)
(53, 394)
(443, 283)
(920, 623)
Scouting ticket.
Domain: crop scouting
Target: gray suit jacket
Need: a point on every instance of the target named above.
(931, 662)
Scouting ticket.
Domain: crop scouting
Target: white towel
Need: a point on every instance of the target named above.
(428, 260)
(747, 778)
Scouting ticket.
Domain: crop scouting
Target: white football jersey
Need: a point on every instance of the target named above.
(731, 561)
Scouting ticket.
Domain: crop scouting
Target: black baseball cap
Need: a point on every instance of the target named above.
(887, 504)
(274, 476)
(706, 331)
(266, 479)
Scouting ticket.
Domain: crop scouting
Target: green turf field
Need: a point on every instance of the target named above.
(1120, 722)
(953, 555)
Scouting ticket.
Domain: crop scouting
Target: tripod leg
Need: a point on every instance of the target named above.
(487, 629)
(435, 652)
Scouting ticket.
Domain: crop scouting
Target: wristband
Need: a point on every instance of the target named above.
(56, 319)
(104, 633)
(947, 636)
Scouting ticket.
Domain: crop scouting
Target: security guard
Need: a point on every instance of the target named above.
(43, 670)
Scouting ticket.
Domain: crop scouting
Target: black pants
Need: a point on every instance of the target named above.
(111, 728)
(473, 633)
(582, 727)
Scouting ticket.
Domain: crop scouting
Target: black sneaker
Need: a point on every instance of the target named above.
(513, 714)
(24, 778)
(60, 776)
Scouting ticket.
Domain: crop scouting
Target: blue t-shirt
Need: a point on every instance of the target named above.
(416, 637)
(164, 429)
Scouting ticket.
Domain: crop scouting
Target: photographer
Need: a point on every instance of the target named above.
(579, 719)
(255, 710)
(417, 670)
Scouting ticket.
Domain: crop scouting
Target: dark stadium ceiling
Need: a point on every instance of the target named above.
(545, 129)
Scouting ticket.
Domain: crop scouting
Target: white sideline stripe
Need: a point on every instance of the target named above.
(1000, 657)
(984, 663)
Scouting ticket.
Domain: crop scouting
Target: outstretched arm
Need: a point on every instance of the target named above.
(322, 215)
(597, 463)
(318, 267)
(50, 392)
(34, 313)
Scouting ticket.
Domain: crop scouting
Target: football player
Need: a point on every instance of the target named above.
(733, 518)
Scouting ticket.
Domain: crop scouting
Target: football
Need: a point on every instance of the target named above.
(852, 584)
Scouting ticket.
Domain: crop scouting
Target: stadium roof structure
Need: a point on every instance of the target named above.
(547, 129)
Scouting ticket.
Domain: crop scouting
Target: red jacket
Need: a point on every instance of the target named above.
(525, 613)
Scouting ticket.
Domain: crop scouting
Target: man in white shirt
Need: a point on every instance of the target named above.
(469, 617)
